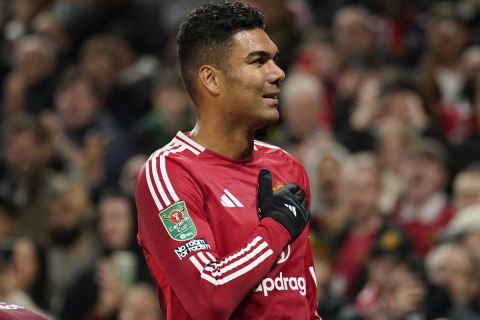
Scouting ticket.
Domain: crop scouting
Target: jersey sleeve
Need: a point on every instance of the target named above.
(309, 267)
(180, 247)
(311, 283)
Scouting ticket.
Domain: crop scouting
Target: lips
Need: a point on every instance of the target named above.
(272, 98)
(271, 95)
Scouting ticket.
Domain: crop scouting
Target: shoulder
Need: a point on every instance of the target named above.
(166, 176)
(176, 150)
(275, 151)
(270, 149)
(174, 159)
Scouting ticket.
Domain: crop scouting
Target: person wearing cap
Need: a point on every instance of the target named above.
(392, 287)
(425, 209)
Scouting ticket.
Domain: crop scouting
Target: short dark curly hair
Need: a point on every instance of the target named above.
(204, 36)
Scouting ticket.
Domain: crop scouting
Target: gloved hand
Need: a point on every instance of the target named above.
(288, 205)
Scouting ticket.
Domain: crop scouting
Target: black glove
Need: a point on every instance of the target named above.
(287, 205)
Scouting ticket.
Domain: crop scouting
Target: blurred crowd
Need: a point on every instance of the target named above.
(381, 103)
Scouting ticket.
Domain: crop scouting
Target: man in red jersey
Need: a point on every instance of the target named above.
(223, 219)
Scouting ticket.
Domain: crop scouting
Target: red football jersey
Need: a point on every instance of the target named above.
(209, 254)
(10, 311)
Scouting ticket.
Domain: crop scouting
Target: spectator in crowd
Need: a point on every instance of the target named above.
(425, 210)
(51, 26)
(393, 287)
(25, 178)
(466, 188)
(318, 58)
(465, 228)
(141, 304)
(99, 291)
(401, 31)
(450, 265)
(347, 88)
(384, 100)
(102, 58)
(30, 85)
(324, 164)
(30, 265)
(8, 219)
(354, 33)
(23, 12)
(128, 176)
(23, 274)
(361, 188)
(391, 152)
(303, 113)
(171, 112)
(328, 304)
(73, 245)
(92, 144)
(468, 151)
(282, 28)
(122, 78)
(442, 78)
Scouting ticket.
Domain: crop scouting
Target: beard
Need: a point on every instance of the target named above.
(65, 236)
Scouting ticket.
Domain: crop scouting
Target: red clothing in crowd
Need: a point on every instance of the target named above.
(349, 261)
(423, 225)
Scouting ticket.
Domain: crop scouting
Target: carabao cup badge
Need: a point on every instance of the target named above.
(178, 223)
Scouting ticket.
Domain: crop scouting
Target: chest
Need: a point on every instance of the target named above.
(230, 194)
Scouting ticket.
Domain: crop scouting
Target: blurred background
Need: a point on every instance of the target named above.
(381, 103)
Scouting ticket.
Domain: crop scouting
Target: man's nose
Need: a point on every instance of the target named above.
(276, 74)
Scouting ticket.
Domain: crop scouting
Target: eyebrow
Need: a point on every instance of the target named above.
(262, 54)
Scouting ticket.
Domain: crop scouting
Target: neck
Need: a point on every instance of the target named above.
(229, 141)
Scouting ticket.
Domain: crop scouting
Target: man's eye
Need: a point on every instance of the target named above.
(257, 61)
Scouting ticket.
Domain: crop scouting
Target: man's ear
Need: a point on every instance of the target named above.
(210, 79)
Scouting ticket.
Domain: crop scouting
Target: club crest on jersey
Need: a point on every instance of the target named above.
(177, 222)
(278, 185)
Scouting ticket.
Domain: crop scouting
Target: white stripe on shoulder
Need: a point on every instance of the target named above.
(187, 146)
(165, 177)
(166, 147)
(187, 139)
(153, 193)
(266, 145)
(269, 146)
(156, 174)
(153, 172)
